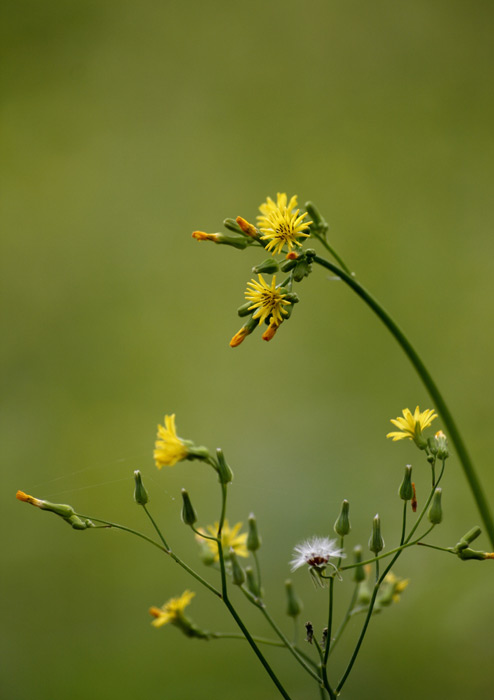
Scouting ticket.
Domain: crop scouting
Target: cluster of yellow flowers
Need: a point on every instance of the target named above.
(280, 226)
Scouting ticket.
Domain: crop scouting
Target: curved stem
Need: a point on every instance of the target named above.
(430, 385)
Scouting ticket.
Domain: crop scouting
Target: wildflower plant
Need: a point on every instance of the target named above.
(230, 552)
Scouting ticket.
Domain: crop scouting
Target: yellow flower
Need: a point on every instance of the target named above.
(412, 425)
(169, 449)
(172, 610)
(281, 224)
(267, 300)
(230, 539)
(396, 585)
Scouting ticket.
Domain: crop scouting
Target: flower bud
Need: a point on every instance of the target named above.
(406, 489)
(242, 334)
(238, 575)
(468, 538)
(140, 494)
(359, 571)
(302, 269)
(435, 513)
(253, 539)
(289, 264)
(342, 524)
(294, 604)
(189, 516)
(79, 523)
(252, 583)
(247, 228)
(225, 474)
(245, 310)
(318, 221)
(376, 542)
(232, 225)
(468, 553)
(441, 445)
(221, 239)
(268, 266)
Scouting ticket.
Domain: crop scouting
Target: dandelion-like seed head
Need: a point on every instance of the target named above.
(231, 538)
(169, 448)
(172, 610)
(411, 425)
(315, 553)
(281, 224)
(267, 300)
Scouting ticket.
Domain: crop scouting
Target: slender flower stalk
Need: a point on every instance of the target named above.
(430, 385)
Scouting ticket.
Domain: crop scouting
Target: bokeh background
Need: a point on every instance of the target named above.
(125, 127)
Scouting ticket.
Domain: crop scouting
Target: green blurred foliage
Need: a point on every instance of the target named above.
(125, 126)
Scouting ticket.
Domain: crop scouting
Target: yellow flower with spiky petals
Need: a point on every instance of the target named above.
(172, 610)
(281, 224)
(169, 448)
(267, 300)
(231, 538)
(411, 425)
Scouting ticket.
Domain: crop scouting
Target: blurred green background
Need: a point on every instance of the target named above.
(125, 127)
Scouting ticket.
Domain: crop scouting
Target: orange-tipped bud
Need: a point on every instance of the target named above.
(201, 236)
(270, 331)
(292, 256)
(21, 496)
(414, 499)
(155, 612)
(239, 337)
(247, 228)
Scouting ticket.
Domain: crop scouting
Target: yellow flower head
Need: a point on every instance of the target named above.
(172, 610)
(412, 425)
(230, 539)
(267, 300)
(169, 449)
(396, 586)
(281, 224)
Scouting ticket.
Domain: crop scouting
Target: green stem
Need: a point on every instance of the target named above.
(433, 546)
(404, 526)
(258, 640)
(231, 609)
(125, 529)
(324, 665)
(333, 252)
(430, 385)
(345, 620)
(287, 642)
(179, 561)
(379, 580)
